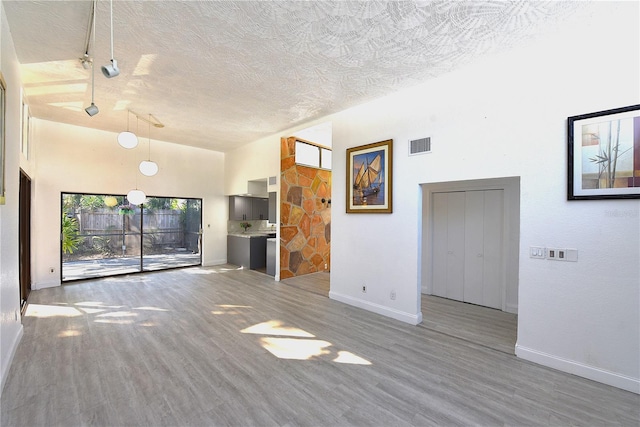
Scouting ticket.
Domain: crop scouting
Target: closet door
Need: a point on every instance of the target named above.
(448, 246)
(467, 246)
(483, 248)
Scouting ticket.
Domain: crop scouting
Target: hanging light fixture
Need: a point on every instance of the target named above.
(92, 109)
(111, 70)
(110, 201)
(147, 167)
(136, 197)
(128, 139)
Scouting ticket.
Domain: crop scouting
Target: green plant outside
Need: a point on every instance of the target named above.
(70, 236)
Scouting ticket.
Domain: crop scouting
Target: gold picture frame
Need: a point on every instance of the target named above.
(369, 178)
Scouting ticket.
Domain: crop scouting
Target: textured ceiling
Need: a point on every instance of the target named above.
(219, 74)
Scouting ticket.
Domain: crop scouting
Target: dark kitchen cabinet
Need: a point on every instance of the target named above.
(260, 208)
(248, 252)
(248, 208)
(239, 208)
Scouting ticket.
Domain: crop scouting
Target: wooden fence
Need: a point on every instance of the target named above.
(162, 226)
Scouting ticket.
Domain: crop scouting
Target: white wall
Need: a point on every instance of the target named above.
(258, 160)
(76, 159)
(506, 116)
(10, 323)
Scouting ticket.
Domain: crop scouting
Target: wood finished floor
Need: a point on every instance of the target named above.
(480, 325)
(220, 346)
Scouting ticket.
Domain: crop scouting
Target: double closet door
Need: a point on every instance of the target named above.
(467, 246)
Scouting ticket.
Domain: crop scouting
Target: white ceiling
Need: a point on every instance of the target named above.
(219, 74)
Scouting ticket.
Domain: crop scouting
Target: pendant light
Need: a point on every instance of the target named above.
(92, 109)
(147, 167)
(110, 201)
(127, 139)
(136, 197)
(111, 70)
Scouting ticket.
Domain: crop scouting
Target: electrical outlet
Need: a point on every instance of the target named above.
(52, 270)
(562, 254)
(392, 295)
(326, 265)
(364, 289)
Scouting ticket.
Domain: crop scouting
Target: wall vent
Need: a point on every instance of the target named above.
(272, 180)
(419, 146)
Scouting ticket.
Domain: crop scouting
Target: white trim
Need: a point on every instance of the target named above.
(591, 372)
(214, 262)
(412, 319)
(7, 363)
(45, 284)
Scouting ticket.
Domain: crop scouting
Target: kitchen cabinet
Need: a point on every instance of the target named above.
(239, 208)
(247, 251)
(248, 208)
(259, 208)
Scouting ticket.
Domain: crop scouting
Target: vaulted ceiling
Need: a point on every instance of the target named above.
(219, 74)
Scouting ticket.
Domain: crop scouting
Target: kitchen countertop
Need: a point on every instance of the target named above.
(253, 234)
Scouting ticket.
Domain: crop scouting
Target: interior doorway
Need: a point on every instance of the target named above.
(24, 237)
(470, 246)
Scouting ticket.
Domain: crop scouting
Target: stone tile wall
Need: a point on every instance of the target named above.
(305, 230)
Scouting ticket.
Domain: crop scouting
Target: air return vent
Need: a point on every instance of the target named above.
(272, 180)
(419, 146)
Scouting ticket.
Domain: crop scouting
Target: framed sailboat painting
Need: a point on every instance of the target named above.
(369, 178)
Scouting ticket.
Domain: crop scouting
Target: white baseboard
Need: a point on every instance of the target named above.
(213, 262)
(580, 369)
(47, 284)
(412, 319)
(6, 364)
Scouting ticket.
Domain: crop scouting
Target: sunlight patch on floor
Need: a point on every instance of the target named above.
(115, 321)
(96, 304)
(350, 358)
(229, 309)
(44, 310)
(69, 333)
(299, 346)
(118, 314)
(293, 348)
(151, 308)
(275, 327)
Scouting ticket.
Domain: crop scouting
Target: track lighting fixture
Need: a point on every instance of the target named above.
(92, 109)
(111, 70)
(86, 61)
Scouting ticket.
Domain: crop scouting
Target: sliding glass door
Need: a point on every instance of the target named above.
(103, 235)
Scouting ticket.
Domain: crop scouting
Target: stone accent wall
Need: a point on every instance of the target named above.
(305, 229)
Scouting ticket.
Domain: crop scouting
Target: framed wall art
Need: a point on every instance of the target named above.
(604, 155)
(369, 178)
